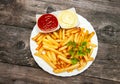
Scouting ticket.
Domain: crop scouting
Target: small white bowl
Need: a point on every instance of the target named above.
(38, 16)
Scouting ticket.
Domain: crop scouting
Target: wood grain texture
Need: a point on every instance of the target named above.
(26, 75)
(17, 18)
(22, 12)
(14, 45)
(15, 49)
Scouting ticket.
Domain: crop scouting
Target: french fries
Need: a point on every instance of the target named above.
(67, 68)
(56, 52)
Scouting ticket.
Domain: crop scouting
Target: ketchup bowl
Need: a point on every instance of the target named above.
(47, 23)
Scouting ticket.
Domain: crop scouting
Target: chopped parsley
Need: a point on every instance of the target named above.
(74, 60)
(78, 50)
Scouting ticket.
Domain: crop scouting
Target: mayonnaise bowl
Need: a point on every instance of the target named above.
(68, 18)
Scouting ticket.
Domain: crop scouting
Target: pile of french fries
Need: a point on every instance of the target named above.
(52, 48)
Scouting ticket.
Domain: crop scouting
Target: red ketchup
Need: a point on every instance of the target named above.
(47, 22)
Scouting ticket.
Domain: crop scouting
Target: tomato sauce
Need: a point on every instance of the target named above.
(47, 22)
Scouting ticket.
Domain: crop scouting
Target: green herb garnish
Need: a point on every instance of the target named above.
(74, 60)
(78, 50)
(71, 52)
(84, 43)
(88, 50)
(71, 43)
(80, 53)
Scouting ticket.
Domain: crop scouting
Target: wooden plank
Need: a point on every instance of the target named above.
(22, 12)
(91, 5)
(15, 49)
(26, 75)
(14, 46)
(106, 2)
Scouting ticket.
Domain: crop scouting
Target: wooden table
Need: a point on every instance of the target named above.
(17, 18)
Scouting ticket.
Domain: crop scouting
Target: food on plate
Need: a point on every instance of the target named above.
(65, 49)
(47, 22)
(68, 18)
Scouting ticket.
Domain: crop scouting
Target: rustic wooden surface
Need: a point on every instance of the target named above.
(17, 18)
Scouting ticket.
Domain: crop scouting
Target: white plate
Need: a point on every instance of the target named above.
(83, 23)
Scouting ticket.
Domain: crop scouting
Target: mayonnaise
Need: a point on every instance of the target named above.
(68, 18)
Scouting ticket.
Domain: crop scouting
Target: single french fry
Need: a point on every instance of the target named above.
(69, 47)
(47, 41)
(62, 62)
(50, 45)
(64, 51)
(38, 47)
(56, 34)
(53, 57)
(82, 30)
(58, 40)
(40, 39)
(81, 62)
(63, 48)
(86, 33)
(86, 58)
(82, 66)
(66, 69)
(90, 52)
(90, 58)
(70, 30)
(66, 54)
(60, 34)
(91, 35)
(37, 54)
(63, 34)
(67, 40)
(93, 45)
(76, 37)
(75, 30)
(69, 70)
(53, 36)
(49, 48)
(64, 59)
(40, 50)
(41, 36)
(34, 38)
(81, 39)
(49, 55)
